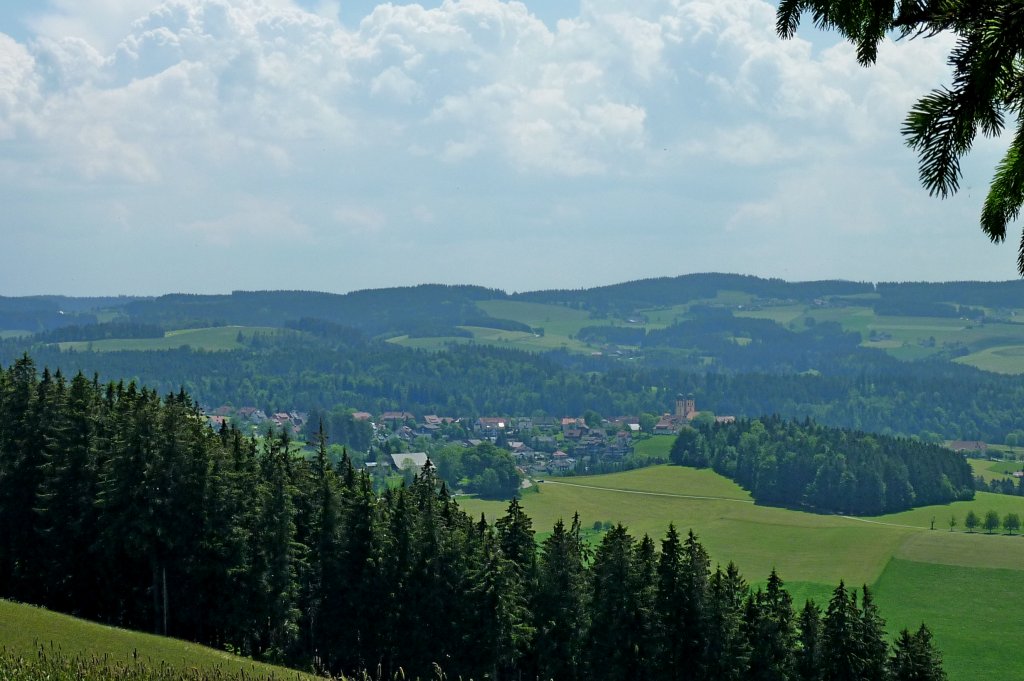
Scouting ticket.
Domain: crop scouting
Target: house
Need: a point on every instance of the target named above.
(667, 425)
(252, 414)
(362, 416)
(414, 460)
(490, 426)
(570, 425)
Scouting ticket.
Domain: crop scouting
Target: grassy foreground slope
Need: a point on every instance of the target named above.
(960, 584)
(24, 628)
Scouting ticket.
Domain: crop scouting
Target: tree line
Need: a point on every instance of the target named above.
(864, 390)
(121, 506)
(791, 463)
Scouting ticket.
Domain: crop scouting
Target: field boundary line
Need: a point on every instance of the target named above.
(879, 522)
(649, 494)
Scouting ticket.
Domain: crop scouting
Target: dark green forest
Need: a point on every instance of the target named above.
(932, 400)
(122, 506)
(747, 367)
(802, 464)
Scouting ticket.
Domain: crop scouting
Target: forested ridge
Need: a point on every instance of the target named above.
(933, 400)
(122, 506)
(336, 354)
(792, 463)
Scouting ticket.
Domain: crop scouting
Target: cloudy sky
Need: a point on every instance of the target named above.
(152, 146)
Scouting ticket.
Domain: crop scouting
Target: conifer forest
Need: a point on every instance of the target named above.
(123, 506)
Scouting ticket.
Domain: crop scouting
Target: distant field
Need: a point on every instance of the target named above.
(897, 553)
(654, 447)
(518, 340)
(998, 347)
(13, 333)
(24, 628)
(994, 470)
(1003, 359)
(214, 339)
(556, 320)
(909, 338)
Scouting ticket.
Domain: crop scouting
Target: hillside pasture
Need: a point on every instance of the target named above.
(998, 347)
(24, 628)
(653, 447)
(971, 611)
(213, 339)
(956, 582)
(1002, 359)
(557, 320)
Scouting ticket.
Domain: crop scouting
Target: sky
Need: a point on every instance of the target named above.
(150, 146)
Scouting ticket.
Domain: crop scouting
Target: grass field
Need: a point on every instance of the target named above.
(993, 470)
(654, 447)
(1002, 359)
(998, 347)
(896, 553)
(213, 339)
(24, 628)
(971, 612)
(518, 340)
(556, 320)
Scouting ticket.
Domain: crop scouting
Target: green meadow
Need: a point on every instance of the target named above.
(24, 629)
(998, 347)
(556, 320)
(653, 447)
(215, 338)
(1002, 359)
(898, 554)
(994, 470)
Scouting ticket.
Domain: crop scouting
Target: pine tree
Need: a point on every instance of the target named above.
(840, 638)
(873, 649)
(727, 653)
(914, 658)
(20, 461)
(807, 655)
(499, 597)
(66, 505)
(275, 557)
(643, 592)
(611, 633)
(560, 608)
(771, 633)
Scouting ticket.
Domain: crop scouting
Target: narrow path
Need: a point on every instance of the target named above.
(879, 522)
(648, 494)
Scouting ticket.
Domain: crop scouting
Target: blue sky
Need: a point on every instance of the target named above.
(209, 145)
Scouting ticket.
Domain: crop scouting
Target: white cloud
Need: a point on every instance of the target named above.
(438, 113)
(360, 219)
(250, 220)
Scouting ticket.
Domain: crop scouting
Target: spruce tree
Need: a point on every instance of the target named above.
(771, 633)
(728, 651)
(560, 608)
(808, 651)
(914, 658)
(611, 635)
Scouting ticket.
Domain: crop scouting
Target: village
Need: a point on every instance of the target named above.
(539, 445)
